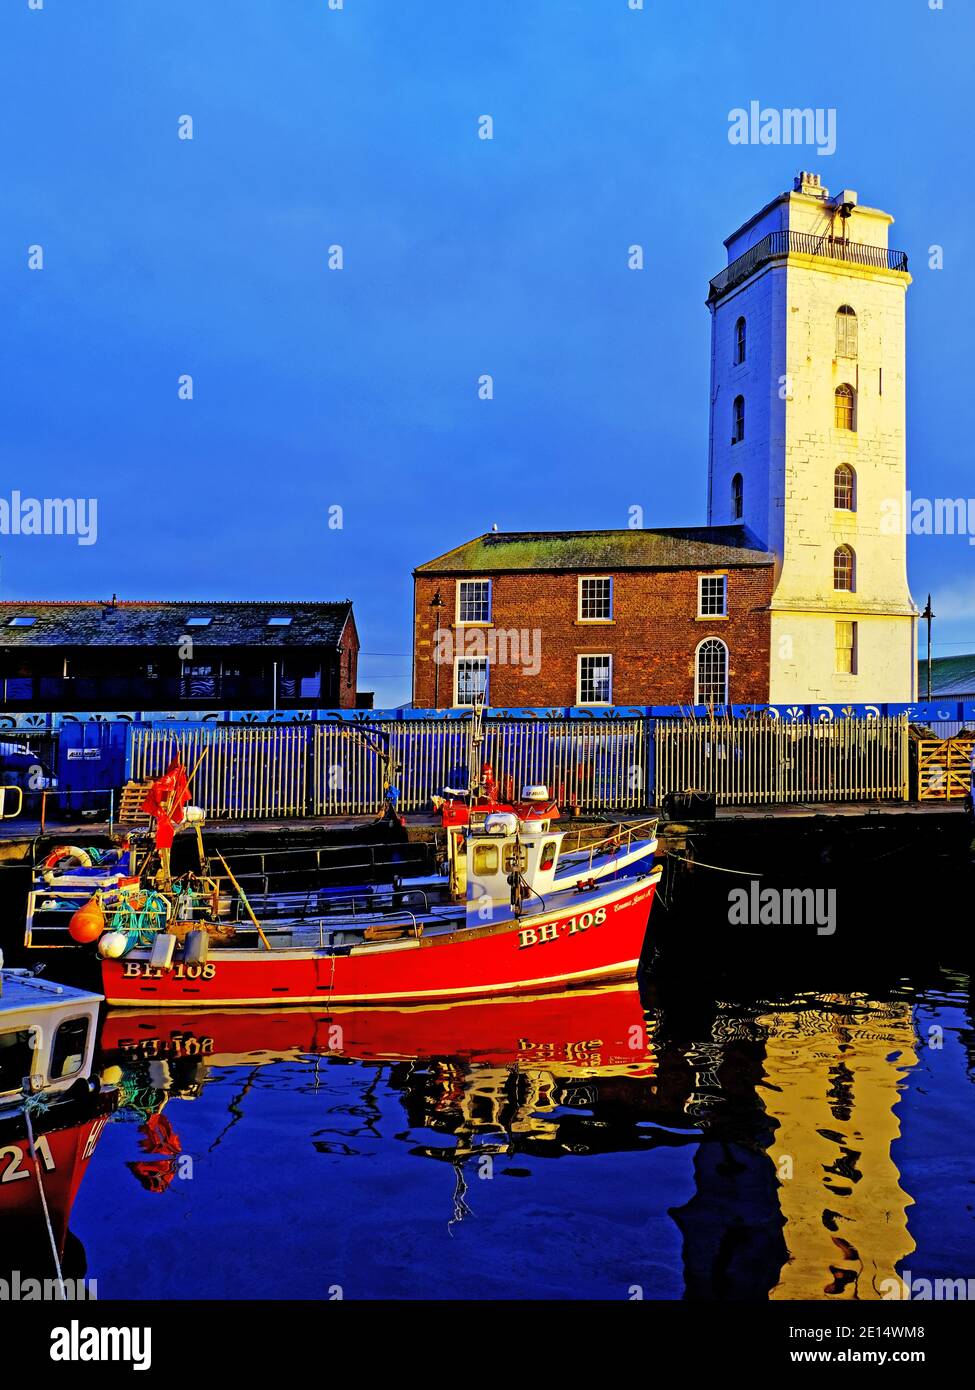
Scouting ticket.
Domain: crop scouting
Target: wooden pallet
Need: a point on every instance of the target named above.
(944, 768)
(133, 795)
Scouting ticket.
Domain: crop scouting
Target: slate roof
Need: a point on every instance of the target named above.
(692, 547)
(950, 675)
(152, 623)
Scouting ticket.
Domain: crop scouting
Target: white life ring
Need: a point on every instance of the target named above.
(53, 864)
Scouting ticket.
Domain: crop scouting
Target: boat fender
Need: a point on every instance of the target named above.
(113, 945)
(80, 859)
(162, 951)
(196, 948)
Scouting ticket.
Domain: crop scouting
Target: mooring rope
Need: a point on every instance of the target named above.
(40, 1105)
(718, 868)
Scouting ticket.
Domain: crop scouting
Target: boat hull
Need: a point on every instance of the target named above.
(65, 1136)
(601, 938)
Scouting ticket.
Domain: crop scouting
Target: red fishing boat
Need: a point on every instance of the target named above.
(516, 920)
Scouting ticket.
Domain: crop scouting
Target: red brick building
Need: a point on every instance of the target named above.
(629, 617)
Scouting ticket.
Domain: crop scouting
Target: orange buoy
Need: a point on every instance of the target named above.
(88, 922)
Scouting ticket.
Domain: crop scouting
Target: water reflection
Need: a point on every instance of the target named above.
(766, 1135)
(834, 1073)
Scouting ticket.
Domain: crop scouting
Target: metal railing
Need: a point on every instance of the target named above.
(321, 769)
(593, 765)
(779, 244)
(766, 761)
(619, 765)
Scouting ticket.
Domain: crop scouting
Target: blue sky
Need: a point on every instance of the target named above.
(315, 388)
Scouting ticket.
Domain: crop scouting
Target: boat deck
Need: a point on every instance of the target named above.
(339, 936)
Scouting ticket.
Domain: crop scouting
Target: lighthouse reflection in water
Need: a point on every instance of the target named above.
(574, 1146)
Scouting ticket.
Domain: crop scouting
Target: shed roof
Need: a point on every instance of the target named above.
(162, 623)
(950, 675)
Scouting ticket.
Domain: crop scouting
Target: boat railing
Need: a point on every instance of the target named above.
(393, 919)
(263, 895)
(367, 903)
(621, 839)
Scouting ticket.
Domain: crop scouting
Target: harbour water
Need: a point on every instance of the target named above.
(673, 1142)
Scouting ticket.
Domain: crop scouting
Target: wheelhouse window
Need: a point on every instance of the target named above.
(711, 673)
(471, 681)
(739, 341)
(595, 680)
(486, 859)
(844, 414)
(844, 569)
(846, 648)
(712, 596)
(68, 1052)
(473, 600)
(595, 600)
(846, 331)
(738, 420)
(844, 489)
(737, 497)
(16, 1059)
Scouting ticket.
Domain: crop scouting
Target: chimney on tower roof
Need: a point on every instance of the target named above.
(808, 183)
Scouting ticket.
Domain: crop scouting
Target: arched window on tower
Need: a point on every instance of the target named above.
(737, 497)
(845, 408)
(739, 341)
(846, 331)
(844, 489)
(844, 570)
(738, 420)
(711, 673)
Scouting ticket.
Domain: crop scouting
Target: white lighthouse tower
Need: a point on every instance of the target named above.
(807, 438)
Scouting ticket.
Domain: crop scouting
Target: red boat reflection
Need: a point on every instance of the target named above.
(598, 1029)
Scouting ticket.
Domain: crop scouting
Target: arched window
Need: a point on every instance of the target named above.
(737, 497)
(844, 569)
(739, 341)
(845, 417)
(738, 420)
(844, 489)
(711, 673)
(846, 331)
